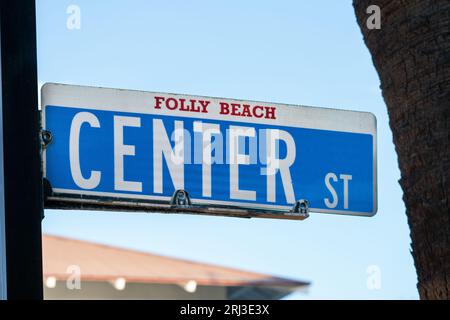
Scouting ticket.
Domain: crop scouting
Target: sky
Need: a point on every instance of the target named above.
(295, 52)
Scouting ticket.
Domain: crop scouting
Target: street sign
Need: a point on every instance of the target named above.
(132, 150)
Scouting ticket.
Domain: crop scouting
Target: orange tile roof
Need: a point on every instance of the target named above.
(106, 263)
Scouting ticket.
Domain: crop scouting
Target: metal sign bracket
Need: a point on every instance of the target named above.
(180, 199)
(300, 209)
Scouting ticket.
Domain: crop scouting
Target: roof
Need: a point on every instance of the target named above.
(106, 263)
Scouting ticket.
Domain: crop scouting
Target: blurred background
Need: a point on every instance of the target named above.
(296, 52)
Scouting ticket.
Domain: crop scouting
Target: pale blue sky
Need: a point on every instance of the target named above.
(298, 52)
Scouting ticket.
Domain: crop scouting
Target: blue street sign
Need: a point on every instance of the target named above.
(139, 148)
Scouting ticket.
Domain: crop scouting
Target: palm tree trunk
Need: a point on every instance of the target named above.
(411, 53)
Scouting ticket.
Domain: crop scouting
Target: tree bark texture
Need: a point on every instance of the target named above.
(411, 52)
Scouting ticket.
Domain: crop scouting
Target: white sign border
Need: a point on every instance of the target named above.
(133, 101)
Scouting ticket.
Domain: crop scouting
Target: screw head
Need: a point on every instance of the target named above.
(46, 137)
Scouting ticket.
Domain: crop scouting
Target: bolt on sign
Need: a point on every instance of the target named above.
(143, 151)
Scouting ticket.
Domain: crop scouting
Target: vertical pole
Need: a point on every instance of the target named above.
(21, 240)
(3, 293)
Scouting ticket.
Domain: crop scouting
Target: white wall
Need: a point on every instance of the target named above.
(104, 290)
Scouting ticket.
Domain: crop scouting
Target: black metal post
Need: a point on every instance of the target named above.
(21, 150)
